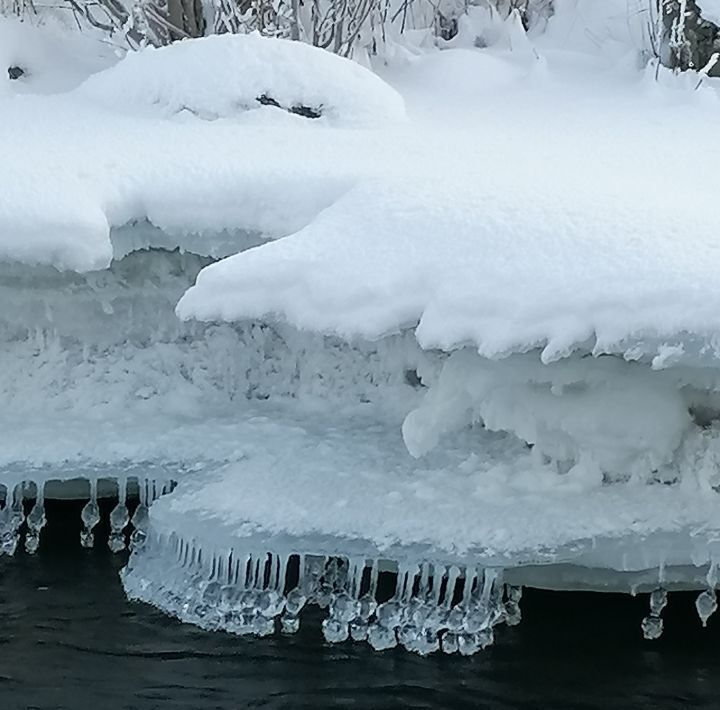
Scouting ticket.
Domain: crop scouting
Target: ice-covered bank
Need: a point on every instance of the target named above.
(474, 346)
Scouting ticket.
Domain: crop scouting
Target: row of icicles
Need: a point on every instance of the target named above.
(421, 615)
(12, 515)
(434, 607)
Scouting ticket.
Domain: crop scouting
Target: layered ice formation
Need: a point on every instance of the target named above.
(325, 346)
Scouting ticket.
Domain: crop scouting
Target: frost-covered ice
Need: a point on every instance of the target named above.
(482, 497)
(103, 352)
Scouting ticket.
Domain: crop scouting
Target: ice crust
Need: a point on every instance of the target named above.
(482, 497)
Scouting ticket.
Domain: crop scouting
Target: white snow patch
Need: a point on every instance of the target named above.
(53, 60)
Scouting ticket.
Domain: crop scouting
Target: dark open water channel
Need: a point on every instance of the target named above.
(69, 639)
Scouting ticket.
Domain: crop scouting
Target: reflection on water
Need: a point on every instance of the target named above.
(69, 639)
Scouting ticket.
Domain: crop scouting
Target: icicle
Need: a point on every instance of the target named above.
(652, 625)
(90, 516)
(11, 520)
(119, 518)
(270, 602)
(470, 578)
(706, 605)
(326, 584)
(453, 575)
(345, 607)
(658, 601)
(513, 615)
(382, 633)
(36, 521)
(296, 598)
(449, 642)
(367, 602)
(453, 620)
(140, 519)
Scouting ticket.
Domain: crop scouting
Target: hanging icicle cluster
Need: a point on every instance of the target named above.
(434, 607)
(16, 524)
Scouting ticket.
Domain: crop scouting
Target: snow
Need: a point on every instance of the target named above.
(53, 59)
(225, 75)
(84, 168)
(710, 10)
(533, 205)
(612, 418)
(464, 265)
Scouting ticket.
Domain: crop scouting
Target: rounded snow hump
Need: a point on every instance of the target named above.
(224, 76)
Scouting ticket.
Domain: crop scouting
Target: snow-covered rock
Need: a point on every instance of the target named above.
(225, 75)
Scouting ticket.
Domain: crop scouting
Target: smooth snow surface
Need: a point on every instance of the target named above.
(225, 75)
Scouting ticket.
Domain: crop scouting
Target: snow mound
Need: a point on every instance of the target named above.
(224, 76)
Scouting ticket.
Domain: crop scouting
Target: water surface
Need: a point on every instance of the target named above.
(69, 639)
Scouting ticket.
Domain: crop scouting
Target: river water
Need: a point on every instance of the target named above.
(70, 639)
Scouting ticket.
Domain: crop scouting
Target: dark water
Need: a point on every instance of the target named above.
(69, 639)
